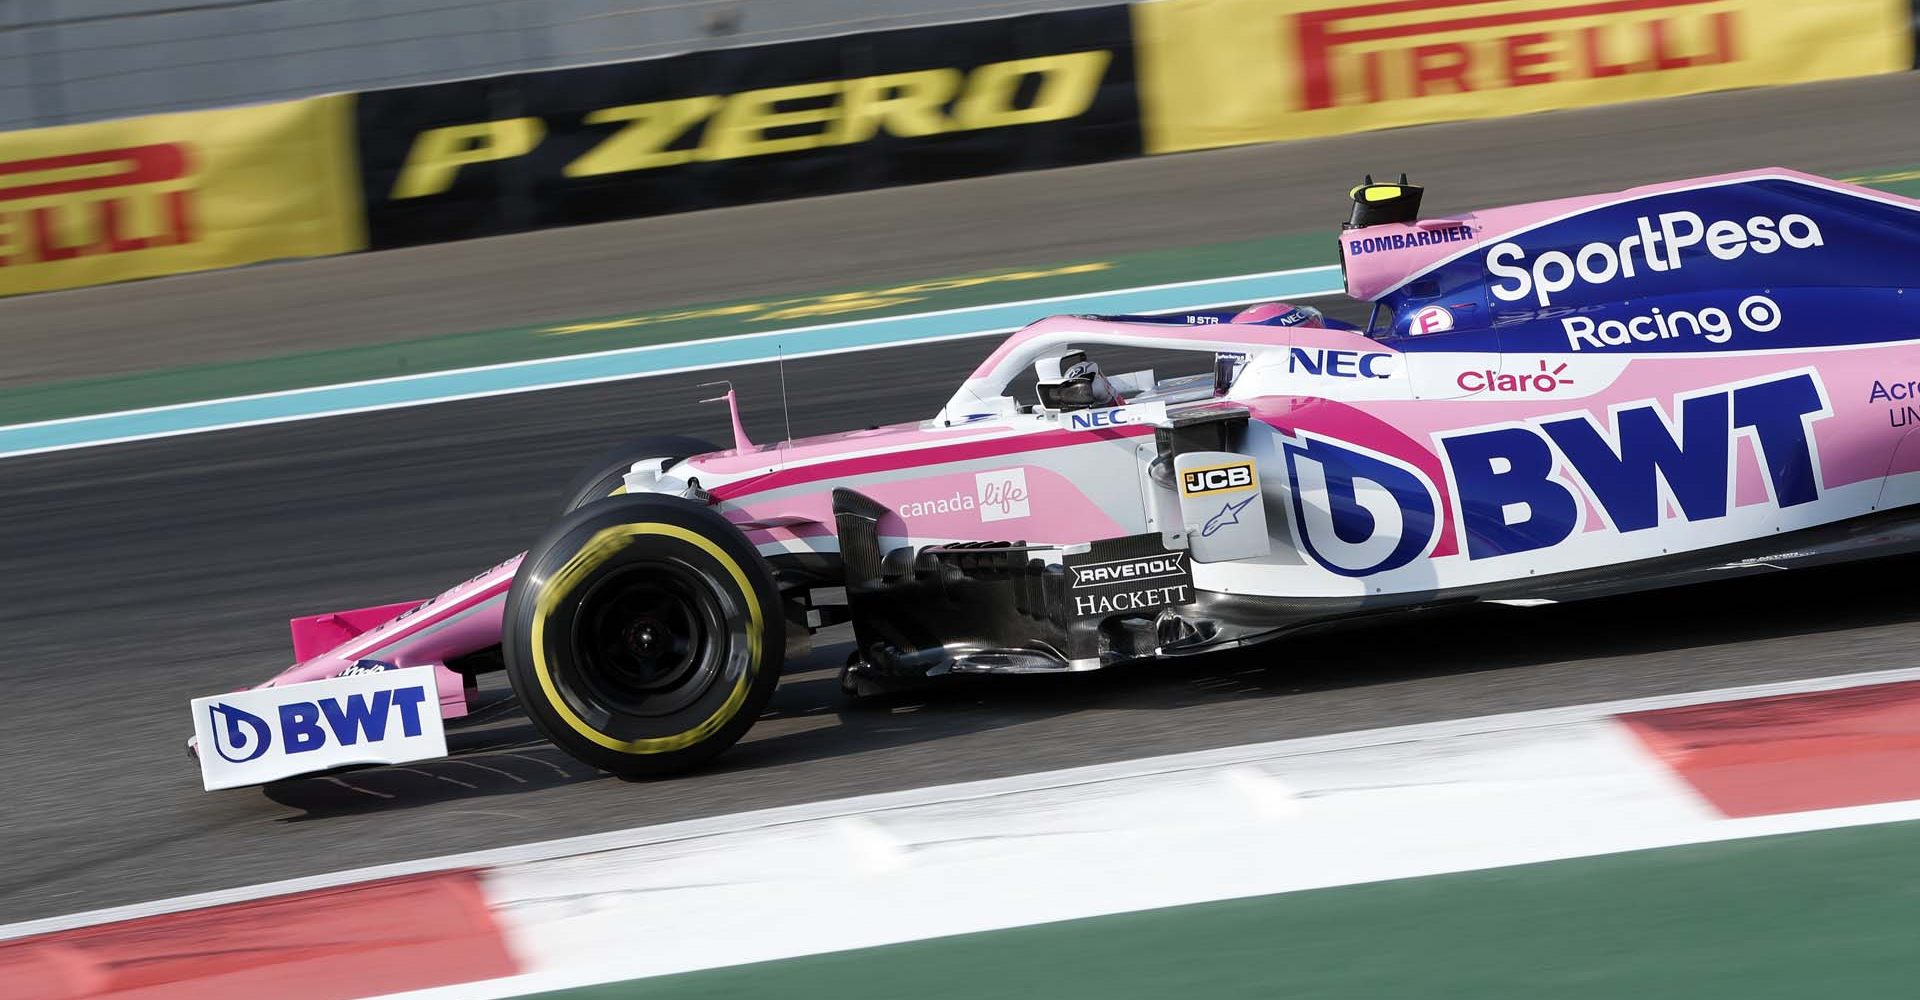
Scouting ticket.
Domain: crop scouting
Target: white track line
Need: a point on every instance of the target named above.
(29, 431)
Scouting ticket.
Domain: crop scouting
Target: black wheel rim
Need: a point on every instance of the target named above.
(648, 640)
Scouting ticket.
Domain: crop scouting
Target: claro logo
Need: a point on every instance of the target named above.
(777, 119)
(1368, 53)
(55, 208)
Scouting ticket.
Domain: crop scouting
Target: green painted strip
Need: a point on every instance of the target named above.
(58, 400)
(1830, 913)
(352, 364)
(639, 362)
(1902, 181)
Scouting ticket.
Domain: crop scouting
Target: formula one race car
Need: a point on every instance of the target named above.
(1551, 401)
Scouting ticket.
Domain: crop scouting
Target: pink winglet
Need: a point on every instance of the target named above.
(316, 634)
(740, 442)
(457, 691)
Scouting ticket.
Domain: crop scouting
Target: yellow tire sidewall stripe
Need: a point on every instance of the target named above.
(602, 546)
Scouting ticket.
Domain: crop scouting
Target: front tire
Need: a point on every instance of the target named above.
(643, 634)
(606, 475)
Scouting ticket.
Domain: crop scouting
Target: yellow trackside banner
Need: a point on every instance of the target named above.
(1221, 72)
(166, 194)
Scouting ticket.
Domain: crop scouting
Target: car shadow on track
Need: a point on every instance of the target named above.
(495, 751)
(1640, 640)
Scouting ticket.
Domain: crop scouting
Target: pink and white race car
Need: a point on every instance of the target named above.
(1551, 401)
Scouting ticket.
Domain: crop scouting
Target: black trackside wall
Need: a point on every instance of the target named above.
(478, 157)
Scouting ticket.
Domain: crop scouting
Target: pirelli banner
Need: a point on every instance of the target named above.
(166, 194)
(564, 147)
(1222, 72)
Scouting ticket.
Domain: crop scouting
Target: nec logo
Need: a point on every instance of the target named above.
(1217, 479)
(1091, 420)
(1341, 364)
(1354, 50)
(1116, 416)
(134, 198)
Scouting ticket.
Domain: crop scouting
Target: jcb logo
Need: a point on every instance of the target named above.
(105, 201)
(777, 119)
(1217, 479)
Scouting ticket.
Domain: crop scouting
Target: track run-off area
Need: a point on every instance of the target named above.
(144, 573)
(1747, 841)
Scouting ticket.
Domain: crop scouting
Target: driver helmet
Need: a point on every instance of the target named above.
(1075, 369)
(1281, 314)
(1103, 392)
(1079, 367)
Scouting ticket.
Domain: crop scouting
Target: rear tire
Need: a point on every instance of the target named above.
(605, 476)
(643, 634)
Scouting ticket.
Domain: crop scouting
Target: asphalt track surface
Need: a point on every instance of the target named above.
(138, 576)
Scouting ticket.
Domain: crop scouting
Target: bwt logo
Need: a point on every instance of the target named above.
(56, 208)
(240, 736)
(1357, 512)
(1364, 54)
(1525, 486)
(1512, 500)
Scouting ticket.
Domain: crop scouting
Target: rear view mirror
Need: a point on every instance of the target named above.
(1225, 366)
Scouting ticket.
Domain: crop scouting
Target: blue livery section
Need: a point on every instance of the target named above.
(1357, 513)
(1511, 502)
(1762, 264)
